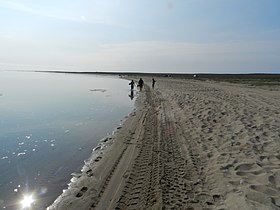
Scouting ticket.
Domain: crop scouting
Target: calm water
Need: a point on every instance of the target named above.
(49, 124)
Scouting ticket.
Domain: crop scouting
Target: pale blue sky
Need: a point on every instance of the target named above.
(218, 36)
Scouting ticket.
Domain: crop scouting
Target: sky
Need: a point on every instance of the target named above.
(176, 36)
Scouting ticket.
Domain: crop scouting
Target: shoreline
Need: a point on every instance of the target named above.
(188, 144)
(108, 152)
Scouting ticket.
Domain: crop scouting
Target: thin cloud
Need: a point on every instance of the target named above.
(23, 8)
(156, 56)
(95, 16)
(182, 57)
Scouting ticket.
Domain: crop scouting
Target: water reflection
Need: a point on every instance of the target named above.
(49, 124)
(27, 201)
(131, 96)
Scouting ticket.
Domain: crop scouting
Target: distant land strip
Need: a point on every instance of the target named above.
(260, 77)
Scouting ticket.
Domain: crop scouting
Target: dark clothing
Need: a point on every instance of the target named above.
(140, 83)
(132, 84)
(153, 82)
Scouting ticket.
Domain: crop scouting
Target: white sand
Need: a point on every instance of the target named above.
(189, 145)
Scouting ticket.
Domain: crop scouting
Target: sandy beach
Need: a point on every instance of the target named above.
(189, 144)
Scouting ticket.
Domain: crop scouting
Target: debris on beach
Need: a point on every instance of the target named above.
(98, 90)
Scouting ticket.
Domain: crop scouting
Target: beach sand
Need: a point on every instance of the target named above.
(189, 144)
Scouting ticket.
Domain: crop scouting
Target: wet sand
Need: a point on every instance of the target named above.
(189, 144)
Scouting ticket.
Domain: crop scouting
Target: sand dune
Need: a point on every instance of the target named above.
(188, 145)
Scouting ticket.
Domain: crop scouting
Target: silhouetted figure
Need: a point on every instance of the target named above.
(153, 83)
(132, 84)
(140, 84)
(131, 96)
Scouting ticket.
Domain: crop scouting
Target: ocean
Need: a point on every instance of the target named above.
(49, 124)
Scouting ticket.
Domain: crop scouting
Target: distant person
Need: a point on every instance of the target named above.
(132, 84)
(140, 84)
(153, 83)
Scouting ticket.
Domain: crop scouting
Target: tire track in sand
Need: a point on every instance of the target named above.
(160, 177)
(141, 189)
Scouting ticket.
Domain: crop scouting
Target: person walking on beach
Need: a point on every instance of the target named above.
(153, 83)
(132, 84)
(140, 84)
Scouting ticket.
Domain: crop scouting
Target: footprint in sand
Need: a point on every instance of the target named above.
(274, 179)
(82, 191)
(265, 190)
(258, 197)
(264, 195)
(89, 173)
(247, 169)
(244, 167)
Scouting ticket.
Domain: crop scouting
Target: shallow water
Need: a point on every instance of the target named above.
(49, 124)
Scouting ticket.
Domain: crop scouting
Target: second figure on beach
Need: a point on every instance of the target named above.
(140, 84)
(153, 83)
